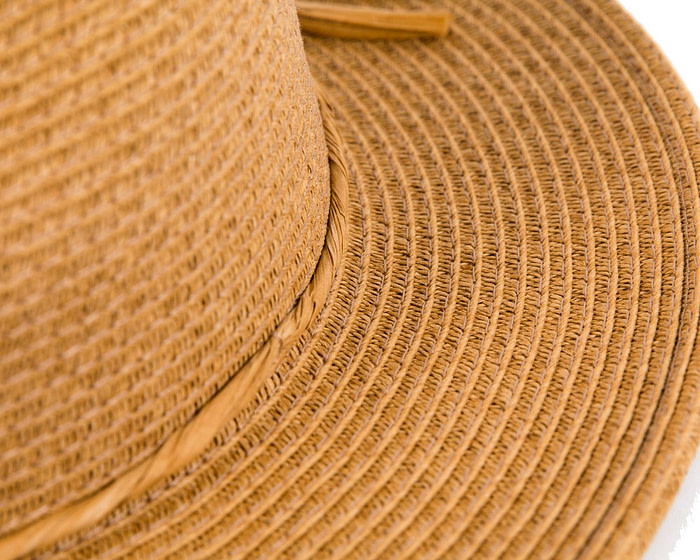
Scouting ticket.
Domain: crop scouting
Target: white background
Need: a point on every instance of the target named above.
(675, 26)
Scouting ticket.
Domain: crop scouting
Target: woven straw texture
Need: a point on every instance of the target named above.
(493, 354)
(155, 225)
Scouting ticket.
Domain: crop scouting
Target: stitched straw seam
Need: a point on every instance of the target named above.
(360, 89)
(359, 397)
(652, 124)
(438, 61)
(260, 404)
(486, 532)
(133, 520)
(359, 538)
(642, 160)
(545, 102)
(590, 245)
(187, 443)
(349, 373)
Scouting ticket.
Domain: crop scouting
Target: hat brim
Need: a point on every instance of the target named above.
(505, 361)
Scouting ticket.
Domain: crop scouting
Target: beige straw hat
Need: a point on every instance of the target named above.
(421, 284)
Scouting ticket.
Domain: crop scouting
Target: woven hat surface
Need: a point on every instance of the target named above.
(271, 296)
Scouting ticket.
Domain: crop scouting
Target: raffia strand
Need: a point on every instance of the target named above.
(353, 22)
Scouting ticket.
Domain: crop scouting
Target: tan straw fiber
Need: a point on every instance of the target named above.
(422, 284)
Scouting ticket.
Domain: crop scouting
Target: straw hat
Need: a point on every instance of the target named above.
(390, 290)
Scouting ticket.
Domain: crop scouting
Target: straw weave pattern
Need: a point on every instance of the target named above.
(506, 363)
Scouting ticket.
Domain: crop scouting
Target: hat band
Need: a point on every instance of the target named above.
(192, 439)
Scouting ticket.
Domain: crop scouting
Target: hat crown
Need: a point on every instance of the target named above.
(165, 190)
